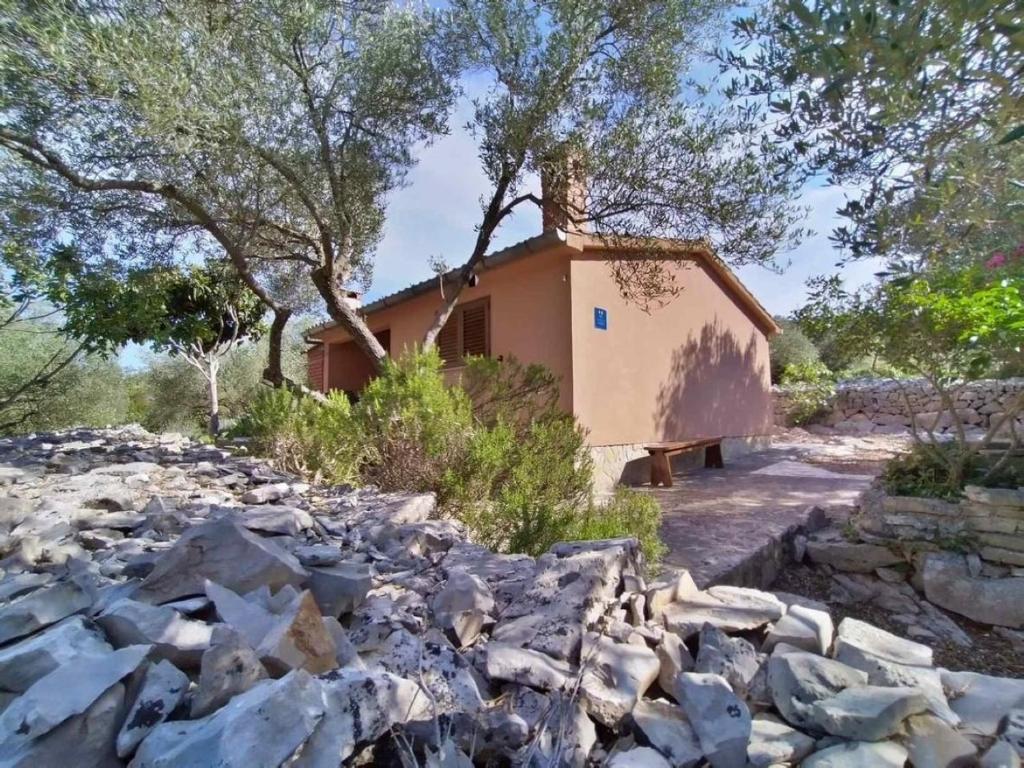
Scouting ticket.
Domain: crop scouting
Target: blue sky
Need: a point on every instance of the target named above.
(435, 215)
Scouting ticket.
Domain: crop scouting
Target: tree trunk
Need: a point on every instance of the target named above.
(213, 369)
(345, 315)
(492, 218)
(274, 373)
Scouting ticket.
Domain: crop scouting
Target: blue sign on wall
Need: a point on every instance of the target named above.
(601, 319)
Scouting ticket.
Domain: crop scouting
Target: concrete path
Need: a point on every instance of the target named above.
(733, 525)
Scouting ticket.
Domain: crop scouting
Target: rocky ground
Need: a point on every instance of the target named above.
(164, 603)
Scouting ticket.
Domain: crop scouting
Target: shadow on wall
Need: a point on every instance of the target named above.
(716, 388)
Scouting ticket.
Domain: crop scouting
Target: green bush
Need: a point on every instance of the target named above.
(322, 441)
(627, 513)
(791, 347)
(516, 469)
(415, 425)
(925, 471)
(521, 490)
(810, 387)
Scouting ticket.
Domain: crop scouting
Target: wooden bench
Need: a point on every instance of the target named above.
(661, 469)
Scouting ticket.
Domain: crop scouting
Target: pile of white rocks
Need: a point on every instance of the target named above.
(880, 406)
(165, 603)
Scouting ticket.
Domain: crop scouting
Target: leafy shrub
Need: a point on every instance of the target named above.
(791, 347)
(810, 387)
(520, 491)
(415, 425)
(517, 471)
(322, 441)
(925, 471)
(627, 513)
(509, 391)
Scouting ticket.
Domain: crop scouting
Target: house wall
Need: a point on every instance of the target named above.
(696, 367)
(530, 319)
(315, 366)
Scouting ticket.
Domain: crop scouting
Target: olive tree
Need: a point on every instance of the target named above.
(592, 97)
(265, 133)
(887, 97)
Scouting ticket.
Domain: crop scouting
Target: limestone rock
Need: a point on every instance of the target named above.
(615, 676)
(286, 629)
(567, 596)
(179, 640)
(674, 657)
(720, 720)
(894, 661)
(24, 662)
(228, 668)
(668, 588)
(731, 609)
(275, 518)
(805, 628)
(638, 757)
(932, 743)
(851, 556)
(318, 555)
(773, 743)
(797, 681)
(1012, 730)
(86, 739)
(64, 693)
(521, 665)
(266, 494)
(868, 713)
(948, 584)
(359, 707)
(163, 687)
(665, 727)
(340, 588)
(434, 664)
(1000, 755)
(223, 552)
(463, 606)
(41, 608)
(981, 701)
(859, 754)
(733, 658)
(566, 734)
(264, 726)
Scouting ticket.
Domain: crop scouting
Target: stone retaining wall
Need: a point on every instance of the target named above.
(988, 523)
(865, 406)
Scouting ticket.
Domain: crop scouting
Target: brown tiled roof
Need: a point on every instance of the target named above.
(699, 248)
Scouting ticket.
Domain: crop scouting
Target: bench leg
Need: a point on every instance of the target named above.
(661, 470)
(713, 457)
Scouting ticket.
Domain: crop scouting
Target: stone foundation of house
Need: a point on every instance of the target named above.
(882, 405)
(630, 464)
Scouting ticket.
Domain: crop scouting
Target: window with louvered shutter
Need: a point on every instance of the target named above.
(474, 330)
(448, 340)
(467, 332)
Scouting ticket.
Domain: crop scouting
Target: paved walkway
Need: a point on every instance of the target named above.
(732, 525)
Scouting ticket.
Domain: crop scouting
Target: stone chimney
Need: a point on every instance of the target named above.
(563, 189)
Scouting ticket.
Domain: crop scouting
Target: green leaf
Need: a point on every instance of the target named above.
(1014, 135)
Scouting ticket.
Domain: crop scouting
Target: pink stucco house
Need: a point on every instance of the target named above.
(696, 367)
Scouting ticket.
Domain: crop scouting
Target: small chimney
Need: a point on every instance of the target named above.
(563, 193)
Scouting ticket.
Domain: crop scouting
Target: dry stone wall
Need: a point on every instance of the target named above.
(866, 406)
